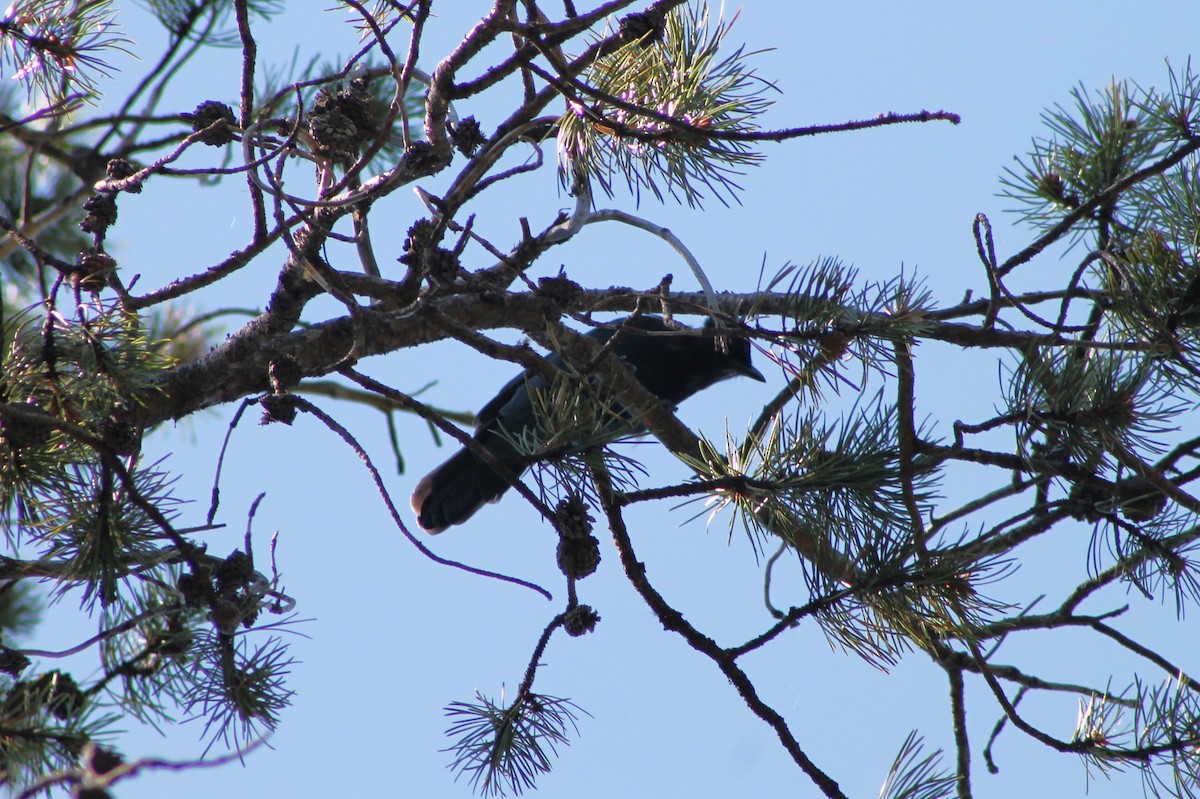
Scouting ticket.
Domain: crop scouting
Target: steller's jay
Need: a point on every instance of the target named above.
(672, 367)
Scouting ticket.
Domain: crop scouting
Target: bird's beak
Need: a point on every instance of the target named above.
(749, 371)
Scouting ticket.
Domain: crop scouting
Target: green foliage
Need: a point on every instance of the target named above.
(97, 532)
(915, 777)
(57, 48)
(575, 422)
(1149, 540)
(830, 315)
(1089, 420)
(804, 474)
(505, 749)
(151, 662)
(371, 81)
(20, 606)
(621, 130)
(47, 719)
(835, 495)
(1155, 285)
(27, 194)
(1162, 725)
(1106, 138)
(238, 693)
(1081, 405)
(207, 22)
(76, 495)
(54, 487)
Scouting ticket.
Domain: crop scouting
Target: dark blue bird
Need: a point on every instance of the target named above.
(672, 367)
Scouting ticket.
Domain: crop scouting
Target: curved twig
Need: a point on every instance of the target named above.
(345, 435)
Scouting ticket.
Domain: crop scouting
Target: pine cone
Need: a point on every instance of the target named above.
(578, 556)
(580, 620)
(207, 113)
(573, 518)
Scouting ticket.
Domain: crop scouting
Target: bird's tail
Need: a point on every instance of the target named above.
(452, 492)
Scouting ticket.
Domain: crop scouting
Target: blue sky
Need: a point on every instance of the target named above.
(394, 638)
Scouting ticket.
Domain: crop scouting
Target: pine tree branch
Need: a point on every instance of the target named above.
(906, 436)
(674, 128)
(673, 621)
(246, 108)
(1086, 209)
(123, 771)
(1172, 671)
(238, 367)
(385, 496)
(958, 662)
(962, 742)
(103, 635)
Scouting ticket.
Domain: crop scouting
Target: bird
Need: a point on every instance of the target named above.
(672, 367)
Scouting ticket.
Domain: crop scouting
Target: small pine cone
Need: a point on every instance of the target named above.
(235, 572)
(225, 616)
(103, 760)
(1141, 500)
(119, 169)
(1087, 498)
(207, 113)
(334, 133)
(64, 700)
(101, 210)
(278, 408)
(175, 644)
(120, 436)
(94, 268)
(573, 518)
(421, 157)
(560, 288)
(467, 136)
(578, 556)
(422, 254)
(645, 28)
(11, 662)
(833, 345)
(195, 590)
(176, 640)
(419, 239)
(441, 265)
(580, 620)
(354, 105)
